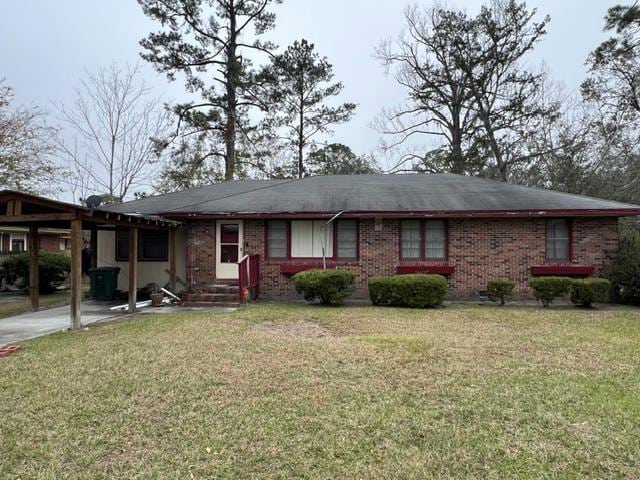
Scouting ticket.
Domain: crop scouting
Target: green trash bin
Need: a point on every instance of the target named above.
(104, 282)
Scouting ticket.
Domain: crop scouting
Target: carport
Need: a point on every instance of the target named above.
(34, 212)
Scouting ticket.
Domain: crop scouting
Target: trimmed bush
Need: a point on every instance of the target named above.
(53, 269)
(547, 289)
(413, 291)
(625, 270)
(500, 288)
(585, 291)
(327, 286)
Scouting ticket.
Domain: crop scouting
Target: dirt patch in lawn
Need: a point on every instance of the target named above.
(300, 329)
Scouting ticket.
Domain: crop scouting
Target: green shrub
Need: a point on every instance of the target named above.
(413, 291)
(625, 270)
(500, 288)
(585, 291)
(53, 269)
(548, 289)
(327, 286)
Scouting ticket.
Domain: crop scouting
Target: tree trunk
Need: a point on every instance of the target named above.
(111, 167)
(230, 139)
(301, 131)
(301, 147)
(231, 83)
(493, 143)
(457, 160)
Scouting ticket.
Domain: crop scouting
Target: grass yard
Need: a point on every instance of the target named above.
(16, 304)
(274, 391)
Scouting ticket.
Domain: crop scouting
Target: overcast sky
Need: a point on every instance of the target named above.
(46, 44)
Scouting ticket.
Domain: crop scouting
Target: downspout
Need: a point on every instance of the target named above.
(324, 238)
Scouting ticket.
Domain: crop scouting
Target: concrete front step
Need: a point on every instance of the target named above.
(223, 281)
(211, 304)
(230, 289)
(222, 293)
(210, 297)
(226, 288)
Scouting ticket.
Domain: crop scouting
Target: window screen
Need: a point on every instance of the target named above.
(347, 239)
(411, 238)
(435, 235)
(558, 239)
(153, 246)
(277, 239)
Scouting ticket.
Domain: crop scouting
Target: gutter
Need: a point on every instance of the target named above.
(612, 212)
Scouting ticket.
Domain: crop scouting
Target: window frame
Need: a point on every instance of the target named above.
(140, 258)
(18, 237)
(423, 241)
(334, 238)
(569, 256)
(288, 239)
(313, 221)
(336, 250)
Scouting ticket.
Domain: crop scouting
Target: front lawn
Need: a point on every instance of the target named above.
(276, 391)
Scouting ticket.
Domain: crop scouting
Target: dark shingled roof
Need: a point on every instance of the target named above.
(436, 194)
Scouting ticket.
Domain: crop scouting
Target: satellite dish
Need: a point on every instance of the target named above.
(93, 201)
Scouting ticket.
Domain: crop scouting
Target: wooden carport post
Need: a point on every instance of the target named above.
(172, 259)
(133, 269)
(76, 273)
(34, 274)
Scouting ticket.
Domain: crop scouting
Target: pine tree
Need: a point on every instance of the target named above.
(299, 84)
(207, 43)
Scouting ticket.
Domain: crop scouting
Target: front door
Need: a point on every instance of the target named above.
(228, 248)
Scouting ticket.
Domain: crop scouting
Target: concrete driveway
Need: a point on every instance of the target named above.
(34, 324)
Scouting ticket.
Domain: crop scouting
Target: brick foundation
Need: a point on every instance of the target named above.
(479, 249)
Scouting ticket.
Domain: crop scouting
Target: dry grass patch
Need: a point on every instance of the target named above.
(276, 391)
(16, 304)
(300, 329)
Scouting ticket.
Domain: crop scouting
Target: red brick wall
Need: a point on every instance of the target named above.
(479, 249)
(201, 253)
(376, 257)
(49, 243)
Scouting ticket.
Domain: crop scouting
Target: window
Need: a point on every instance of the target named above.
(558, 239)
(65, 244)
(347, 239)
(307, 238)
(436, 239)
(423, 240)
(122, 245)
(411, 239)
(153, 246)
(18, 242)
(277, 239)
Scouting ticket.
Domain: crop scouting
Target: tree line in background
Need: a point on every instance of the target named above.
(469, 85)
(474, 106)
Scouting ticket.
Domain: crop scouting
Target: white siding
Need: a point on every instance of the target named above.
(148, 272)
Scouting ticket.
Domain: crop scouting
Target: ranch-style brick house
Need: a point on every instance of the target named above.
(16, 240)
(465, 228)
